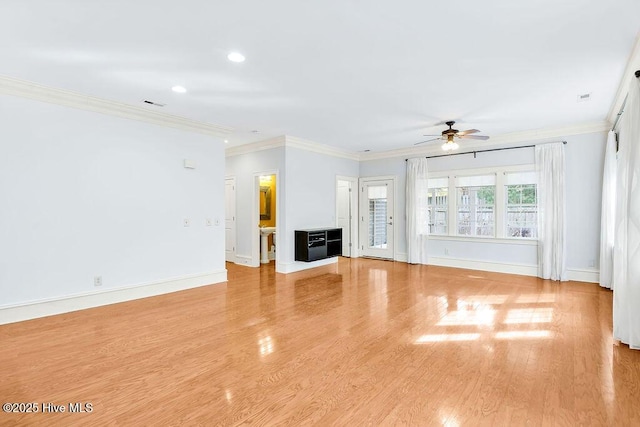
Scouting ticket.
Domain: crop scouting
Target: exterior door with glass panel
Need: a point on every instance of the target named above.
(376, 218)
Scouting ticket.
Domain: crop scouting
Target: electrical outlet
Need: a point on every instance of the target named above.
(97, 281)
(446, 251)
(592, 263)
(208, 222)
(186, 222)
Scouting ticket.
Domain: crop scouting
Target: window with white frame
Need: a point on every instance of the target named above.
(377, 196)
(521, 206)
(438, 200)
(476, 205)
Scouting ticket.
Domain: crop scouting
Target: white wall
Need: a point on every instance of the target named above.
(244, 167)
(310, 188)
(84, 194)
(584, 162)
(306, 197)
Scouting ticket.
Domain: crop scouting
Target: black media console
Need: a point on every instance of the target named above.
(319, 243)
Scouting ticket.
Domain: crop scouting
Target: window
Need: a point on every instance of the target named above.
(438, 205)
(377, 196)
(521, 218)
(499, 202)
(476, 205)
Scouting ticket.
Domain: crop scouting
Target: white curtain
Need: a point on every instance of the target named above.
(607, 218)
(551, 211)
(626, 252)
(417, 210)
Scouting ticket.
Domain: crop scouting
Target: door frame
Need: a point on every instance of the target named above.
(255, 217)
(363, 234)
(235, 208)
(353, 200)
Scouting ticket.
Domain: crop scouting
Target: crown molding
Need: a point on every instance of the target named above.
(304, 144)
(290, 141)
(633, 64)
(267, 144)
(499, 141)
(30, 90)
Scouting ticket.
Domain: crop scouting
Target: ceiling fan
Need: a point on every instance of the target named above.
(450, 135)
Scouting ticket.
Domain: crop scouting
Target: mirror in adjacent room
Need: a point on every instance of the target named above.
(265, 202)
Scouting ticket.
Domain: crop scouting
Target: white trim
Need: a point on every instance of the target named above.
(496, 267)
(82, 301)
(232, 257)
(255, 215)
(355, 206)
(499, 141)
(580, 275)
(633, 64)
(245, 260)
(30, 90)
(471, 239)
(455, 173)
(291, 141)
(266, 144)
(304, 144)
(401, 257)
(362, 234)
(292, 267)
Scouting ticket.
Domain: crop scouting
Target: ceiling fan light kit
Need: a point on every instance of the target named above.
(450, 145)
(449, 135)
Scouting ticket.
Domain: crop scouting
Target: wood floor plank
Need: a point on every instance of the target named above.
(362, 342)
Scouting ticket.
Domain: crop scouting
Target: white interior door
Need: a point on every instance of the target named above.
(230, 219)
(344, 214)
(376, 218)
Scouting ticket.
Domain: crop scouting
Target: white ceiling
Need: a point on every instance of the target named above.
(354, 74)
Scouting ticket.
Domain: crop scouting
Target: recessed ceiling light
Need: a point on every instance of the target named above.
(178, 89)
(235, 57)
(255, 131)
(226, 141)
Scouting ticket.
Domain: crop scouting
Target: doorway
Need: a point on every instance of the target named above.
(230, 219)
(376, 217)
(266, 217)
(267, 208)
(347, 213)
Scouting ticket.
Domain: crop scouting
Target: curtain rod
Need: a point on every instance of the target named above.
(481, 151)
(637, 74)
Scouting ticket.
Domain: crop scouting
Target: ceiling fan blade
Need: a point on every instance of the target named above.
(433, 135)
(468, 131)
(482, 137)
(428, 140)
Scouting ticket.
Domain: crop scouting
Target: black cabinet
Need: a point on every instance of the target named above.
(319, 243)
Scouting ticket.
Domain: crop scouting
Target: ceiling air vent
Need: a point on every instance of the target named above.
(157, 104)
(584, 97)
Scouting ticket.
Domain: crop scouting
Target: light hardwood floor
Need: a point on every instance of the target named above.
(363, 342)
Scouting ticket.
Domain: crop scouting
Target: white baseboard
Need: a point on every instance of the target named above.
(245, 260)
(292, 267)
(497, 267)
(401, 257)
(578, 275)
(66, 304)
(591, 276)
